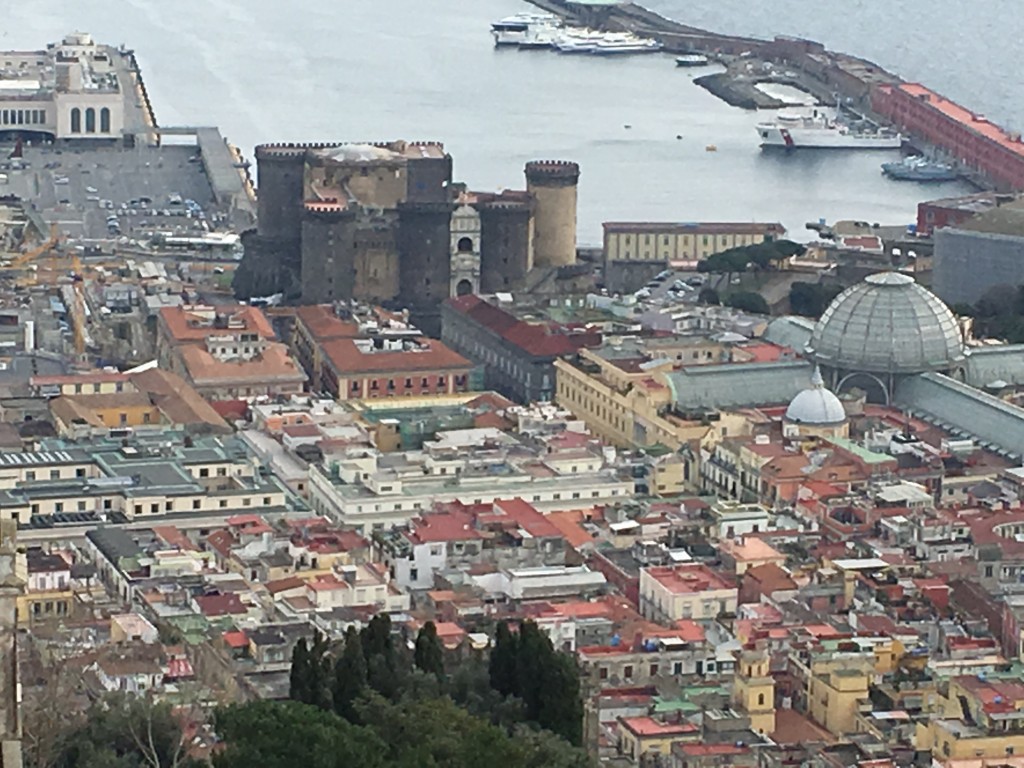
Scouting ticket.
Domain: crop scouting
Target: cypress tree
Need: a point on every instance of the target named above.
(349, 675)
(502, 665)
(298, 678)
(533, 652)
(428, 656)
(560, 709)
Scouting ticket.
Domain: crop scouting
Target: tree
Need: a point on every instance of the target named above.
(124, 731)
(428, 655)
(349, 675)
(708, 295)
(298, 675)
(748, 301)
(310, 672)
(287, 734)
(811, 299)
(503, 661)
(560, 709)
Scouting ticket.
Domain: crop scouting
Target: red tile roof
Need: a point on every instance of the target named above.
(186, 326)
(648, 726)
(220, 605)
(236, 639)
(323, 324)
(432, 355)
(688, 579)
(528, 518)
(539, 339)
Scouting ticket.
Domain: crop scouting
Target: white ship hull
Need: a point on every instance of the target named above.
(799, 137)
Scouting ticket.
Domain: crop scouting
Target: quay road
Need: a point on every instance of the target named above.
(76, 533)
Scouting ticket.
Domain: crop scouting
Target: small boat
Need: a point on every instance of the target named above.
(692, 60)
(918, 168)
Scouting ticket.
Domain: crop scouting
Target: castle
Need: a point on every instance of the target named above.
(384, 223)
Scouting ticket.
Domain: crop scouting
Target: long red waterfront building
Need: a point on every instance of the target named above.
(971, 138)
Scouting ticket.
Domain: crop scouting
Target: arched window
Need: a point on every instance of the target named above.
(760, 699)
(76, 120)
(465, 245)
(464, 288)
(104, 120)
(90, 120)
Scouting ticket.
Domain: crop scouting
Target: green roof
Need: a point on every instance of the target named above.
(663, 705)
(868, 457)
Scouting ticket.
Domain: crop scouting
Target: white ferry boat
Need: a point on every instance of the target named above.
(819, 131)
(521, 28)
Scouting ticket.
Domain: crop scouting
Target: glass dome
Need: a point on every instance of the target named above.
(887, 324)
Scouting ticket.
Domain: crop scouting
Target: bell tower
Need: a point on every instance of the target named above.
(753, 690)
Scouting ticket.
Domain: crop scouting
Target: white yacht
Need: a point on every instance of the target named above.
(612, 45)
(521, 28)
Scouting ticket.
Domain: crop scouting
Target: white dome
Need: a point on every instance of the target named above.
(816, 406)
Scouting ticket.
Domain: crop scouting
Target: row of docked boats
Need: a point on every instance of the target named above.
(542, 30)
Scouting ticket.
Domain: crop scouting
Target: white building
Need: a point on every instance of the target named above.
(74, 89)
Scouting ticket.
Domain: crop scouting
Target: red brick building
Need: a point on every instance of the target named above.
(968, 136)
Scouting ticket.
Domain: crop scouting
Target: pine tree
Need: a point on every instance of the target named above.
(428, 656)
(349, 675)
(502, 666)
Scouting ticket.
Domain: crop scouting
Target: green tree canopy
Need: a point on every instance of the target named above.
(429, 655)
(748, 301)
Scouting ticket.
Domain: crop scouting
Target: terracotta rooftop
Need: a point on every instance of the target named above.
(323, 324)
(431, 355)
(648, 726)
(688, 579)
(220, 605)
(273, 365)
(193, 324)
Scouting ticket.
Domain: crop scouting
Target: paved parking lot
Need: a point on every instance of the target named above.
(66, 185)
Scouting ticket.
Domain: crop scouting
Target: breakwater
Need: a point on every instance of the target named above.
(991, 158)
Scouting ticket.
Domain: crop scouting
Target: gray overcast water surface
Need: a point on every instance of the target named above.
(265, 70)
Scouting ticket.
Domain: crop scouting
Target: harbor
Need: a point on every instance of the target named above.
(883, 104)
(657, 169)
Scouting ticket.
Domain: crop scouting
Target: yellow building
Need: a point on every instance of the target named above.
(641, 738)
(837, 690)
(631, 405)
(668, 241)
(753, 690)
(977, 717)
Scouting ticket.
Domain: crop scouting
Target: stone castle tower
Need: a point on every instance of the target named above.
(552, 183)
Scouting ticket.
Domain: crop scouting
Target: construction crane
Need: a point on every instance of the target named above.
(78, 310)
(41, 250)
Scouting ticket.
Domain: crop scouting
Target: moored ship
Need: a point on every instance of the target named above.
(918, 168)
(818, 131)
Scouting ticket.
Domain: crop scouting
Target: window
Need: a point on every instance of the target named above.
(204, 472)
(168, 506)
(760, 699)
(408, 383)
(355, 386)
(222, 471)
(90, 120)
(55, 474)
(80, 472)
(627, 671)
(266, 501)
(81, 506)
(196, 503)
(602, 673)
(223, 503)
(30, 475)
